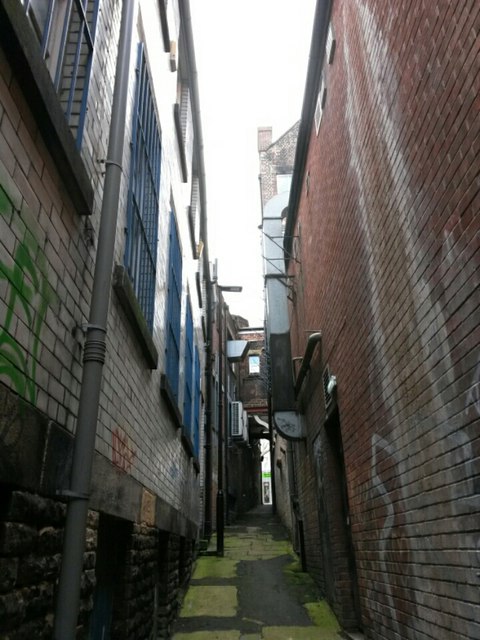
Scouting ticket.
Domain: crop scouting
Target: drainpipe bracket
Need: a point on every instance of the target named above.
(72, 495)
(86, 327)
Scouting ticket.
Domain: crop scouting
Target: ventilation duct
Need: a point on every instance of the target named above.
(287, 421)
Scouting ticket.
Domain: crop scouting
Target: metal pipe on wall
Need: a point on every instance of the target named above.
(220, 504)
(68, 597)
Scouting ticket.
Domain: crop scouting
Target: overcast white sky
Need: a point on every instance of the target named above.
(252, 62)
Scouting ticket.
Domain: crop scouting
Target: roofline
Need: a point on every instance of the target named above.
(285, 133)
(314, 74)
(186, 22)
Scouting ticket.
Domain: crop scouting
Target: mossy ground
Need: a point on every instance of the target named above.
(213, 598)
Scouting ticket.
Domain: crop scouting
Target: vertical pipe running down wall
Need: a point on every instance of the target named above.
(220, 503)
(68, 597)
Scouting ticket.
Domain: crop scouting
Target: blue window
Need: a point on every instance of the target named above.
(191, 406)
(66, 31)
(143, 194)
(188, 395)
(174, 308)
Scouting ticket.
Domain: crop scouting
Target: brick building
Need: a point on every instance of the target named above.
(100, 154)
(276, 161)
(233, 460)
(381, 246)
(253, 394)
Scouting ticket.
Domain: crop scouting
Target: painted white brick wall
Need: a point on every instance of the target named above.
(131, 409)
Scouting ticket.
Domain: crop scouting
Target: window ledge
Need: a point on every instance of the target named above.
(124, 290)
(23, 54)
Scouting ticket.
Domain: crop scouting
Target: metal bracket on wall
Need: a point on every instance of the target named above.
(72, 495)
(274, 239)
(281, 277)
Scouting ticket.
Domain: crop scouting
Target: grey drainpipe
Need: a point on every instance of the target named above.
(68, 597)
(312, 342)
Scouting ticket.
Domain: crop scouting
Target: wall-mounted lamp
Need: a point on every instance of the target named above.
(231, 289)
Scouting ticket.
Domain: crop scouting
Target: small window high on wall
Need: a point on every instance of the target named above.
(284, 180)
(253, 364)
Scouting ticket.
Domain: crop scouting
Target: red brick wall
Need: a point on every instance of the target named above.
(388, 241)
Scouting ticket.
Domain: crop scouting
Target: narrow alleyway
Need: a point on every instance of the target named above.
(257, 591)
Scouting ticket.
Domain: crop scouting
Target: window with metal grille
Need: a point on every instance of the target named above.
(143, 194)
(174, 308)
(189, 381)
(66, 31)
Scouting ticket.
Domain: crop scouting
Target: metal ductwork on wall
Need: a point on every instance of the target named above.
(287, 421)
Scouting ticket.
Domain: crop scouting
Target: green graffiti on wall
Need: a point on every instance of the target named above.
(28, 295)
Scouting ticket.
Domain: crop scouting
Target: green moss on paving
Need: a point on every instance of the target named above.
(214, 567)
(215, 601)
(309, 595)
(250, 547)
(208, 635)
(305, 587)
(322, 616)
(297, 633)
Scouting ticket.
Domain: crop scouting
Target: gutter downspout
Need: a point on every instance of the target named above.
(68, 597)
(313, 340)
(272, 454)
(187, 23)
(220, 505)
(207, 522)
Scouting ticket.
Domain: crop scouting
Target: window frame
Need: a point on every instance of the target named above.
(141, 230)
(250, 371)
(189, 381)
(71, 23)
(174, 308)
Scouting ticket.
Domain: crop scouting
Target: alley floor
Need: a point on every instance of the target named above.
(257, 591)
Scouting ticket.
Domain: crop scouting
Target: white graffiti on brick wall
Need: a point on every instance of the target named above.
(381, 446)
(441, 426)
(473, 395)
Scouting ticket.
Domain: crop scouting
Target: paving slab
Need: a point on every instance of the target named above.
(256, 591)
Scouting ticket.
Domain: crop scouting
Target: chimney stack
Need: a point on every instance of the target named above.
(264, 138)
